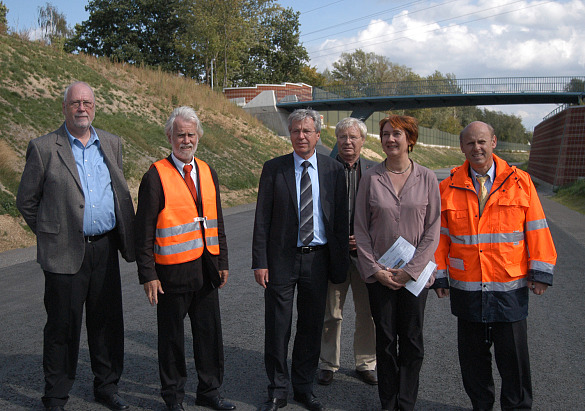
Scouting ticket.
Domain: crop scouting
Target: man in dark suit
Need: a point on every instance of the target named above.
(182, 257)
(351, 135)
(300, 241)
(74, 197)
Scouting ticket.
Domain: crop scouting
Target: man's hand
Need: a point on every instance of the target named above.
(536, 287)
(442, 292)
(352, 243)
(223, 274)
(152, 289)
(387, 279)
(261, 276)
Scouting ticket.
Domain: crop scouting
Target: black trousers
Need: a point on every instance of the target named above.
(97, 286)
(511, 353)
(310, 279)
(203, 309)
(398, 316)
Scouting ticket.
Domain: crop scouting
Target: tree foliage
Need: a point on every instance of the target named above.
(360, 67)
(3, 19)
(276, 55)
(361, 71)
(53, 25)
(134, 31)
(575, 85)
(189, 36)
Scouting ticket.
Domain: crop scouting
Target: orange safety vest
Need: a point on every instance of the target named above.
(491, 255)
(179, 229)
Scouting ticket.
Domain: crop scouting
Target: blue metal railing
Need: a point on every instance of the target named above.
(499, 85)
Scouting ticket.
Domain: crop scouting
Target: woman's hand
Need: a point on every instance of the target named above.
(400, 275)
(387, 279)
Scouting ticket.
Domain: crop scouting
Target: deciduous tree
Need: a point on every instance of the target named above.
(3, 20)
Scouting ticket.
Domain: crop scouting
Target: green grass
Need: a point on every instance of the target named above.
(572, 196)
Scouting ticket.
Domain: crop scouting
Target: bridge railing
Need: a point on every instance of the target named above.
(497, 85)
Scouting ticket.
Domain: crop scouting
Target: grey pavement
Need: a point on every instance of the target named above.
(556, 334)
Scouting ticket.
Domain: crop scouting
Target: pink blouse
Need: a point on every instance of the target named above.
(381, 217)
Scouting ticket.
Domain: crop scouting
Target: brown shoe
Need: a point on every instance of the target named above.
(324, 377)
(368, 376)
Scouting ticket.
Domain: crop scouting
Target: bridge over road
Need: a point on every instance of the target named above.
(364, 99)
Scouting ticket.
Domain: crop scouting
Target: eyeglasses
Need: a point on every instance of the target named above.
(298, 131)
(78, 103)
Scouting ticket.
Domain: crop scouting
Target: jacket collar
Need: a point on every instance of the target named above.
(460, 175)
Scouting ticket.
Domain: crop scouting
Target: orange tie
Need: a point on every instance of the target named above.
(187, 170)
(483, 194)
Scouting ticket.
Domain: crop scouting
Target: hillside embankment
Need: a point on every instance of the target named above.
(134, 103)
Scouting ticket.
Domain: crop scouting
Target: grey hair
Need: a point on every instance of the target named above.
(350, 122)
(70, 86)
(187, 114)
(301, 114)
(489, 127)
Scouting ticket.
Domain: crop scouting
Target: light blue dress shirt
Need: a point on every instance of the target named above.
(319, 235)
(99, 214)
(488, 183)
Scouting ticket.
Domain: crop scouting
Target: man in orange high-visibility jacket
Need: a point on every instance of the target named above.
(182, 261)
(491, 259)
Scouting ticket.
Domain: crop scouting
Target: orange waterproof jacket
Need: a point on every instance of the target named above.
(488, 259)
(179, 228)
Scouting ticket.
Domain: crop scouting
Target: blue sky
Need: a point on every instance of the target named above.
(468, 38)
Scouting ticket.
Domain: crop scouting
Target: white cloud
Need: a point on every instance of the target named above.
(503, 38)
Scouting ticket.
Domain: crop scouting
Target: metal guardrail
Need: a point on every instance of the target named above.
(498, 85)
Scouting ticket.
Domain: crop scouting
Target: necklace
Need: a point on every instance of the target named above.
(396, 172)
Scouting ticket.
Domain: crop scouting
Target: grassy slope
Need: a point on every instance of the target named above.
(134, 103)
(131, 102)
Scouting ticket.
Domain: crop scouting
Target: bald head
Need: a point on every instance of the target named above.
(477, 142)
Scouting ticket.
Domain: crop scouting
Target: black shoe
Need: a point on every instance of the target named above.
(324, 377)
(175, 407)
(113, 402)
(273, 404)
(217, 403)
(368, 376)
(308, 400)
(55, 408)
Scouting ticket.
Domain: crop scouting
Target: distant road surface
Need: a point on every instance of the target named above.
(556, 337)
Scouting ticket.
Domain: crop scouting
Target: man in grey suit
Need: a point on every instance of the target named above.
(300, 241)
(75, 199)
(351, 135)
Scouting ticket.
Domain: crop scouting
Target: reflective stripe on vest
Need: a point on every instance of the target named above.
(179, 235)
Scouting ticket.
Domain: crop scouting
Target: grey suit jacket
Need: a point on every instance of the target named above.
(276, 223)
(51, 200)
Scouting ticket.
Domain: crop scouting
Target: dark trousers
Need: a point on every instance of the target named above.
(398, 316)
(511, 353)
(97, 286)
(203, 309)
(310, 278)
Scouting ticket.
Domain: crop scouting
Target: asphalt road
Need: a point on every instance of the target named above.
(556, 338)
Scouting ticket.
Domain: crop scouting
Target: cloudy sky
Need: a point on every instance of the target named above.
(495, 38)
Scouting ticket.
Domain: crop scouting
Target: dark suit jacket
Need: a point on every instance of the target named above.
(276, 225)
(176, 277)
(51, 200)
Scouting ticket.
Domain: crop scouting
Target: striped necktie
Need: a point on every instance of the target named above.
(306, 206)
(483, 193)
